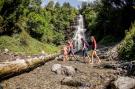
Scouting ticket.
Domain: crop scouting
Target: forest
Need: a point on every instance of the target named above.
(26, 26)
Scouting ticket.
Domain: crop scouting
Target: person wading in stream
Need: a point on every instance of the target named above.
(65, 52)
(84, 49)
(94, 46)
(71, 48)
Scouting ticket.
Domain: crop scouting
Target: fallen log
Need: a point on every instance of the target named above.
(8, 69)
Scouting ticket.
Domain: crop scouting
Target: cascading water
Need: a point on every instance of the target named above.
(79, 33)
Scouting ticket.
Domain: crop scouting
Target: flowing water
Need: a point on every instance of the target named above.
(79, 33)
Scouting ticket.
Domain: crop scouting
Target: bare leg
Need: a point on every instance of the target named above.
(65, 58)
(89, 58)
(92, 57)
(97, 57)
(74, 55)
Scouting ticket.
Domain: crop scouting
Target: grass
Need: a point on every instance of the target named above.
(33, 46)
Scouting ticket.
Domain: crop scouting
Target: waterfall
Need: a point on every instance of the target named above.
(79, 33)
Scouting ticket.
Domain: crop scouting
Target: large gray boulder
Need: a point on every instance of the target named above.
(55, 67)
(63, 70)
(124, 83)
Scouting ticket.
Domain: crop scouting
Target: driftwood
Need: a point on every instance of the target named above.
(12, 68)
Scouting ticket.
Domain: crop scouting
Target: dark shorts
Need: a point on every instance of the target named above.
(94, 49)
(85, 52)
(71, 52)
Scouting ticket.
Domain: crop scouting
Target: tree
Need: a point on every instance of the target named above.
(57, 5)
(50, 5)
(112, 17)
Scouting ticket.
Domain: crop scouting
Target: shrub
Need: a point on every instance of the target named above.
(127, 46)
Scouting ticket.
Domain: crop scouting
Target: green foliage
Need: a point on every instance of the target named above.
(35, 23)
(24, 38)
(127, 46)
(26, 26)
(1, 4)
(109, 17)
(61, 16)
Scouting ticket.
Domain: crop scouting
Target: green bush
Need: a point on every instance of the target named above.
(127, 46)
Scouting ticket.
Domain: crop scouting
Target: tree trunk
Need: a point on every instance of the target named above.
(8, 69)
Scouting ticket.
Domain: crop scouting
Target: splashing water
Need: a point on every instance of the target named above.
(79, 33)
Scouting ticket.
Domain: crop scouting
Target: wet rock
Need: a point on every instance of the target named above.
(131, 70)
(56, 67)
(110, 65)
(102, 52)
(59, 58)
(123, 83)
(70, 81)
(113, 53)
(128, 68)
(69, 70)
(63, 70)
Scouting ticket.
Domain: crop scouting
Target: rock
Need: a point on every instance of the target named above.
(66, 80)
(123, 83)
(56, 67)
(113, 53)
(70, 81)
(6, 50)
(129, 67)
(110, 65)
(70, 70)
(59, 58)
(102, 52)
(63, 70)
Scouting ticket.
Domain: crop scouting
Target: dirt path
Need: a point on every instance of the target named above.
(43, 78)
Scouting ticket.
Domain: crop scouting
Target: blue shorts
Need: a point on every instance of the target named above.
(85, 52)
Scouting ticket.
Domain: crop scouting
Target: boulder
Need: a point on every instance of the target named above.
(71, 81)
(113, 53)
(124, 83)
(56, 67)
(63, 70)
(70, 70)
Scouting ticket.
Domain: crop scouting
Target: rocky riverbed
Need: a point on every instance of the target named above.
(110, 74)
(43, 78)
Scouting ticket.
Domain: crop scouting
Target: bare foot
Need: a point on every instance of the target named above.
(90, 62)
(99, 62)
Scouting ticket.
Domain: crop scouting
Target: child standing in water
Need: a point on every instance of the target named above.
(71, 48)
(65, 53)
(94, 46)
